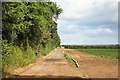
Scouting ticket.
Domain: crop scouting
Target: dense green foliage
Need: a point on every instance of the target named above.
(29, 30)
(91, 46)
(106, 53)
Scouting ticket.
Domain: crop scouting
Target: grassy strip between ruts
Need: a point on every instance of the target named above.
(105, 53)
(71, 59)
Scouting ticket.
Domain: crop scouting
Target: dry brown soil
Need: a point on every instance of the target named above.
(96, 67)
(55, 64)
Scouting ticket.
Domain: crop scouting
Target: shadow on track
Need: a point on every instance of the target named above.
(47, 77)
(51, 77)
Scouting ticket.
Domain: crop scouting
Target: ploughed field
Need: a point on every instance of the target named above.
(96, 63)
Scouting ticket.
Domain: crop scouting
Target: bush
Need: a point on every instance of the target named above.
(16, 56)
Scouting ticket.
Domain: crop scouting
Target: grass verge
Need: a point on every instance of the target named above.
(71, 59)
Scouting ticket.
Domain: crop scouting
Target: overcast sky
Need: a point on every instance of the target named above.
(88, 22)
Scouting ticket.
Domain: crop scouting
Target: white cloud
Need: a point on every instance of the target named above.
(80, 39)
(105, 30)
(88, 21)
(77, 9)
(80, 9)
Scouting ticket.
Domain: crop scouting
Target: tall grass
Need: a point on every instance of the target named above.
(106, 53)
(69, 58)
(15, 56)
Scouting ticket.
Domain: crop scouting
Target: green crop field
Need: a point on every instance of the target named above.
(106, 53)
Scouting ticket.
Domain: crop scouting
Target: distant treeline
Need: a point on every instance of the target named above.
(91, 46)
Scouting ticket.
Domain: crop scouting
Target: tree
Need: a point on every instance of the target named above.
(30, 23)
